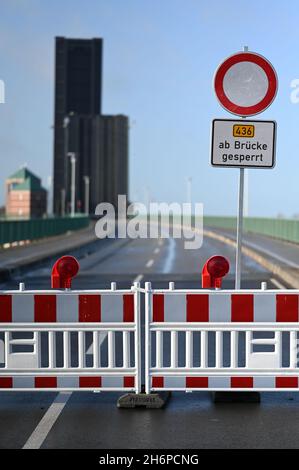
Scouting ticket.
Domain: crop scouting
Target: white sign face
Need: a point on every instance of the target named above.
(244, 91)
(243, 143)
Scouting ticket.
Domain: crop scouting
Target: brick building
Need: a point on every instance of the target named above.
(25, 196)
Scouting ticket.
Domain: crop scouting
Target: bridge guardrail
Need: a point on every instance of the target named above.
(34, 229)
(283, 229)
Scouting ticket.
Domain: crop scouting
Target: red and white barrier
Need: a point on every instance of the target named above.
(218, 383)
(70, 340)
(225, 306)
(221, 340)
(67, 307)
(63, 383)
(195, 339)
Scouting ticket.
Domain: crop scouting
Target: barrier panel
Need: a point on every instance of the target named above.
(217, 340)
(70, 340)
(221, 340)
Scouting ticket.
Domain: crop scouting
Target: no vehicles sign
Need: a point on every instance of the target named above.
(240, 143)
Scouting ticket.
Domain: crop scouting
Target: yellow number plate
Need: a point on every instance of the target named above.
(246, 130)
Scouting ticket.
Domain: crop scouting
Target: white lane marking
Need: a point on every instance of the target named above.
(277, 283)
(45, 425)
(271, 253)
(149, 263)
(167, 268)
(138, 278)
(156, 251)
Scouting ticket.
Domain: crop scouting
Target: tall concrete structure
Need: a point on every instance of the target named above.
(78, 85)
(101, 146)
(99, 142)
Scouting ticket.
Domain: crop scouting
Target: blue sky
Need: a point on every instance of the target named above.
(159, 61)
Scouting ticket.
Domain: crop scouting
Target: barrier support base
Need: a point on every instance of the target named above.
(237, 397)
(145, 400)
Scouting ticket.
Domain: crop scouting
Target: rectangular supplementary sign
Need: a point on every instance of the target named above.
(243, 143)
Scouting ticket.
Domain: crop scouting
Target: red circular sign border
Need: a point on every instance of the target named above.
(272, 83)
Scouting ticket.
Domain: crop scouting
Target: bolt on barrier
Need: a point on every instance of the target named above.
(221, 340)
(70, 340)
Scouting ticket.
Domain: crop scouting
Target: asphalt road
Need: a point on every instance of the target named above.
(92, 420)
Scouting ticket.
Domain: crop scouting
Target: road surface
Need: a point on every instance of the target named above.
(92, 420)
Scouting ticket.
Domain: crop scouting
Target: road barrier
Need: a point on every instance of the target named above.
(231, 340)
(68, 340)
(195, 339)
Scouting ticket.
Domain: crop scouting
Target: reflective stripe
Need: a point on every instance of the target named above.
(174, 308)
(219, 382)
(68, 382)
(23, 382)
(286, 307)
(67, 308)
(242, 308)
(264, 307)
(174, 382)
(5, 308)
(264, 382)
(23, 308)
(220, 307)
(112, 308)
(112, 382)
(45, 308)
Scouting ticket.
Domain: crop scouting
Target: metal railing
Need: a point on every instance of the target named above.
(34, 229)
(283, 229)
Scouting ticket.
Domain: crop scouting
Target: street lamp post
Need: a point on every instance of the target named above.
(50, 195)
(66, 122)
(62, 202)
(86, 206)
(72, 156)
(189, 189)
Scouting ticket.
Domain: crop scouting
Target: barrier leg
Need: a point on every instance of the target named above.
(143, 398)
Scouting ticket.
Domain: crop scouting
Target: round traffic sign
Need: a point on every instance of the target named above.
(245, 83)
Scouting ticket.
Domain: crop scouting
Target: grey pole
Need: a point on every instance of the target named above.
(66, 122)
(189, 189)
(72, 156)
(50, 196)
(239, 230)
(86, 182)
(62, 202)
(246, 193)
(240, 222)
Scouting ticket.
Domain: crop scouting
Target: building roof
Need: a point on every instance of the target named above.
(23, 173)
(29, 181)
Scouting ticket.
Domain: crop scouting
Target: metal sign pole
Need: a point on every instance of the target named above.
(240, 222)
(239, 230)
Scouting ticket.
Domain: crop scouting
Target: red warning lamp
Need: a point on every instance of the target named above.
(213, 271)
(63, 272)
